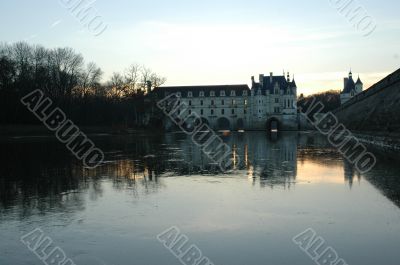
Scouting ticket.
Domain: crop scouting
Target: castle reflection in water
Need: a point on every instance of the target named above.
(139, 164)
(270, 160)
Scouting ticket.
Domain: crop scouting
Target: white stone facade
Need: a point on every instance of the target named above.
(268, 104)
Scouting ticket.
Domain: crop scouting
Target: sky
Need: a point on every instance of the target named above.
(219, 42)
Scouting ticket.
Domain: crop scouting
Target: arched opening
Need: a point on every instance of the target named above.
(273, 125)
(240, 125)
(205, 121)
(190, 122)
(223, 124)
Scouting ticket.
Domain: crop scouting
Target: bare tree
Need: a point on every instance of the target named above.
(132, 76)
(145, 76)
(157, 81)
(66, 68)
(116, 80)
(90, 79)
(22, 55)
(117, 85)
(41, 67)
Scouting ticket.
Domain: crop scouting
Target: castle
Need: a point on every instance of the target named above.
(270, 104)
(351, 89)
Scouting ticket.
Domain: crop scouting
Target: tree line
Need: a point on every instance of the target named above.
(74, 85)
(330, 99)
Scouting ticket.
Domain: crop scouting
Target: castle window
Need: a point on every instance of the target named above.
(276, 100)
(245, 93)
(190, 111)
(201, 102)
(233, 93)
(222, 102)
(222, 111)
(245, 111)
(202, 112)
(212, 94)
(233, 111)
(212, 112)
(190, 94)
(222, 94)
(233, 102)
(201, 93)
(190, 103)
(245, 102)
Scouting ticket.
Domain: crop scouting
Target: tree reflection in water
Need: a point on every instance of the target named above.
(39, 176)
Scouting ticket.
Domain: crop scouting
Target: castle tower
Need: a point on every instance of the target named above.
(294, 86)
(359, 85)
(351, 88)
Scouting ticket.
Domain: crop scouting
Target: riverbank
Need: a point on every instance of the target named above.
(383, 141)
(380, 140)
(35, 130)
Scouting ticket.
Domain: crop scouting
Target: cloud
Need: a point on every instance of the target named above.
(55, 24)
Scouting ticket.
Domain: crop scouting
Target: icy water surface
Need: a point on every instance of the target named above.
(112, 215)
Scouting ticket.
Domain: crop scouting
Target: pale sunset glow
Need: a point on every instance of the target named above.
(222, 42)
(316, 173)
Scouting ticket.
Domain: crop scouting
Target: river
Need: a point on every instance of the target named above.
(150, 182)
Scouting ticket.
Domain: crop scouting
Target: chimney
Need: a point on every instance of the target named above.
(252, 80)
(261, 80)
(148, 83)
(271, 74)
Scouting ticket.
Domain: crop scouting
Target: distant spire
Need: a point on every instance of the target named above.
(359, 80)
(350, 73)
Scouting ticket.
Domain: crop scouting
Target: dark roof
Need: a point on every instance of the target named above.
(162, 91)
(294, 83)
(268, 85)
(359, 81)
(350, 86)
